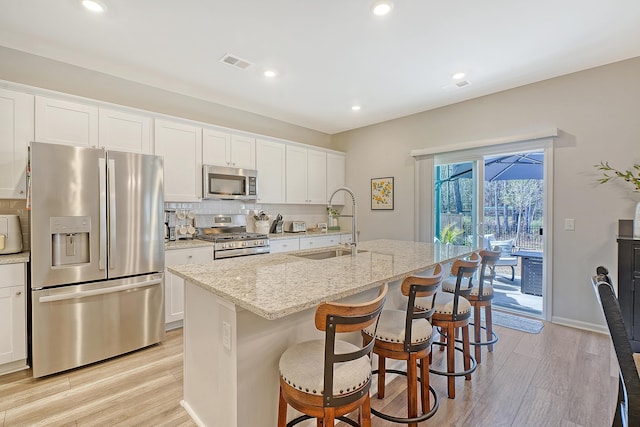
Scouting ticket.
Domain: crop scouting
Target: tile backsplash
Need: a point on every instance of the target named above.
(311, 214)
(18, 207)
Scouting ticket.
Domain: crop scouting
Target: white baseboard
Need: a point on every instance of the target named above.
(602, 329)
(192, 414)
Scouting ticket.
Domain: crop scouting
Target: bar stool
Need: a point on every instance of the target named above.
(481, 296)
(407, 335)
(327, 379)
(452, 311)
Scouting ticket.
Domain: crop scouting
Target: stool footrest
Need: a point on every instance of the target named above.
(302, 418)
(423, 417)
(492, 341)
(469, 371)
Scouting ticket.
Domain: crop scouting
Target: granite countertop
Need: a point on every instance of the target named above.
(277, 285)
(15, 258)
(186, 244)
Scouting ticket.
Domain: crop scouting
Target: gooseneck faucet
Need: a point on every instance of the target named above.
(354, 233)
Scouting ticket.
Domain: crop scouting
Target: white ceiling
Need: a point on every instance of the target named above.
(330, 54)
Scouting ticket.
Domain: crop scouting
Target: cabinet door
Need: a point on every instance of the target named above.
(13, 329)
(336, 177)
(124, 131)
(270, 162)
(63, 122)
(216, 148)
(316, 177)
(243, 152)
(296, 175)
(181, 146)
(174, 285)
(16, 131)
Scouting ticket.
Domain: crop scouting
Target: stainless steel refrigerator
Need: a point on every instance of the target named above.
(97, 255)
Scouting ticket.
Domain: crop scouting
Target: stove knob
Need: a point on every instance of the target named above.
(244, 243)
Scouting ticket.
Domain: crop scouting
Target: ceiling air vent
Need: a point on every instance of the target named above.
(234, 61)
(463, 83)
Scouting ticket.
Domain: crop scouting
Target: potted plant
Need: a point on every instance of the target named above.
(632, 176)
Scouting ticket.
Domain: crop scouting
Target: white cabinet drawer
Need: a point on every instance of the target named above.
(12, 275)
(319, 241)
(188, 256)
(284, 245)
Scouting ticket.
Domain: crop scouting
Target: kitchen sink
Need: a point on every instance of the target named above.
(331, 253)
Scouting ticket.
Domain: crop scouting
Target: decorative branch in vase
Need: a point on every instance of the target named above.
(632, 176)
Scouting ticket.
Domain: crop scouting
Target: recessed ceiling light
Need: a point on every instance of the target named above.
(382, 7)
(355, 108)
(458, 76)
(93, 6)
(270, 73)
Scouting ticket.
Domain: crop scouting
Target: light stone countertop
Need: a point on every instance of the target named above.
(284, 236)
(186, 244)
(15, 258)
(277, 285)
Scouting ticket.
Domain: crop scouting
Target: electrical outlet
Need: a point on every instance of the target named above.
(226, 335)
(569, 224)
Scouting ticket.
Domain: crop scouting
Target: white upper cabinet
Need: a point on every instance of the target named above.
(225, 149)
(306, 175)
(335, 177)
(63, 122)
(270, 163)
(16, 131)
(124, 131)
(181, 146)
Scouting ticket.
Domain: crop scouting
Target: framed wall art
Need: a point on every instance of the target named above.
(382, 194)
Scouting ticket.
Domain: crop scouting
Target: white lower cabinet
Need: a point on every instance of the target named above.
(284, 245)
(319, 241)
(346, 238)
(174, 285)
(13, 317)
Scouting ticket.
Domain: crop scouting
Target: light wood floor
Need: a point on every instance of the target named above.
(561, 377)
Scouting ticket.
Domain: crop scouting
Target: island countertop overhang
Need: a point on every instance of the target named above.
(276, 285)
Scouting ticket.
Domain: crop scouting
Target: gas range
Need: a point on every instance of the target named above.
(231, 239)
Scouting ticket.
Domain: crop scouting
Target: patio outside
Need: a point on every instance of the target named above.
(513, 206)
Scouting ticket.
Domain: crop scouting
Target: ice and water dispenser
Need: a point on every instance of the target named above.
(70, 240)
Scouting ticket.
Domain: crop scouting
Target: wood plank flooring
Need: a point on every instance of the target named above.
(561, 377)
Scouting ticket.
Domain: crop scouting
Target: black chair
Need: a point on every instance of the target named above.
(628, 404)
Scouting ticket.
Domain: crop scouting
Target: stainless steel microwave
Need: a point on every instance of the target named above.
(225, 183)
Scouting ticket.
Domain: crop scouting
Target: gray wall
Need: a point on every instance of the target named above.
(20, 67)
(597, 113)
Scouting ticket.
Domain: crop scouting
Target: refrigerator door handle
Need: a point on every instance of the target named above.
(112, 213)
(93, 292)
(102, 168)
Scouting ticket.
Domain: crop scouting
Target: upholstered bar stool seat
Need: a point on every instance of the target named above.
(327, 379)
(391, 328)
(302, 367)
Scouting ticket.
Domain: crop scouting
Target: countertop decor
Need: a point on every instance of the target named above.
(632, 176)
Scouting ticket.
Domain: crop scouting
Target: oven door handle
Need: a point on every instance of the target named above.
(102, 291)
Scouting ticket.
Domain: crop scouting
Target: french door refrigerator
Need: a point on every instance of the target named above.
(97, 254)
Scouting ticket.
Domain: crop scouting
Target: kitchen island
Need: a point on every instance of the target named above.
(242, 313)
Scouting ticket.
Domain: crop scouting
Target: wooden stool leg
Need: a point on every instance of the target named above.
(442, 340)
(451, 380)
(466, 350)
(329, 417)
(365, 412)
(282, 410)
(489, 324)
(382, 370)
(424, 392)
(477, 329)
(412, 388)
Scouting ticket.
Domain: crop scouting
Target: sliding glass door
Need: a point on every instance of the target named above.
(496, 199)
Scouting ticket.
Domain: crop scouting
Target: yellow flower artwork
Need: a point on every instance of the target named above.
(382, 193)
